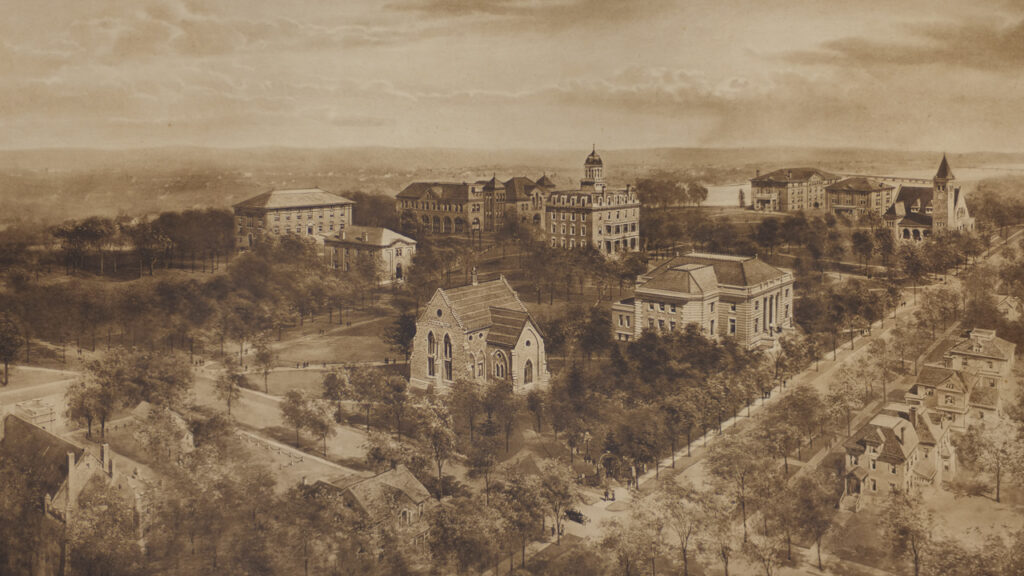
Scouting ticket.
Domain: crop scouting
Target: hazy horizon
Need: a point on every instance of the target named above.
(513, 74)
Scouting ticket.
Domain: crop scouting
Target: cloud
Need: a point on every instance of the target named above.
(983, 46)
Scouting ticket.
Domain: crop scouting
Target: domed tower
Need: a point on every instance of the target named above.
(593, 171)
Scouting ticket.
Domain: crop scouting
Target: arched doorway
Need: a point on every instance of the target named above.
(447, 225)
(906, 234)
(460, 226)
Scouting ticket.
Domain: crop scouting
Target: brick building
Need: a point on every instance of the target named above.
(392, 251)
(478, 332)
(725, 296)
(594, 215)
(309, 212)
(920, 211)
(859, 195)
(790, 189)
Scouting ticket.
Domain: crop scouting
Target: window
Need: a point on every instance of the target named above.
(949, 400)
(757, 304)
(874, 485)
(732, 325)
(447, 358)
(756, 324)
(277, 216)
(712, 326)
(712, 307)
(672, 326)
(650, 305)
(583, 217)
(661, 325)
(650, 323)
(673, 308)
(583, 230)
(398, 251)
(873, 464)
(732, 307)
(528, 372)
(627, 321)
(620, 319)
(500, 368)
(853, 459)
(572, 217)
(661, 306)
(431, 354)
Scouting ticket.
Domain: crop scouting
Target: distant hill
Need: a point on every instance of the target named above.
(54, 184)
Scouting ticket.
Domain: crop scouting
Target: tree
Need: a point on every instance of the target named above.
(734, 460)
(482, 461)
(994, 449)
(320, 422)
(465, 402)
(102, 533)
(365, 386)
(395, 398)
(10, 343)
(844, 396)
(557, 490)
(522, 506)
(293, 411)
(766, 549)
(437, 437)
(228, 385)
(814, 506)
(335, 389)
(501, 401)
(718, 540)
(863, 244)
(265, 359)
(535, 404)
(401, 333)
(907, 525)
(81, 400)
(684, 515)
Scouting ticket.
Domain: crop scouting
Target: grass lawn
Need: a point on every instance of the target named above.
(971, 519)
(361, 342)
(860, 540)
(24, 376)
(281, 381)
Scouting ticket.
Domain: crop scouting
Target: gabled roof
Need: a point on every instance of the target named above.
(689, 279)
(909, 195)
(47, 452)
(519, 188)
(454, 191)
(730, 270)
(472, 304)
(984, 346)
(494, 184)
(935, 376)
(893, 434)
(368, 236)
(381, 496)
(945, 172)
(305, 198)
(859, 184)
(545, 182)
(787, 175)
(916, 219)
(506, 326)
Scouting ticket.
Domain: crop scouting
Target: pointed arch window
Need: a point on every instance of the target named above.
(528, 372)
(447, 358)
(500, 365)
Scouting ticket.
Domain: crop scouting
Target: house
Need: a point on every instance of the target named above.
(790, 189)
(478, 332)
(393, 501)
(858, 195)
(142, 416)
(391, 251)
(62, 471)
(900, 448)
(968, 384)
(739, 297)
(594, 215)
(308, 212)
(1011, 307)
(920, 211)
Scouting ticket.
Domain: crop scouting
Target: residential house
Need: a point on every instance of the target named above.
(478, 332)
(900, 448)
(391, 251)
(740, 297)
(308, 212)
(790, 189)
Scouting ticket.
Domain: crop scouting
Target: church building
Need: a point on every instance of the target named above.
(478, 332)
(920, 212)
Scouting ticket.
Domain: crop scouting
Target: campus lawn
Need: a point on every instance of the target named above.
(361, 342)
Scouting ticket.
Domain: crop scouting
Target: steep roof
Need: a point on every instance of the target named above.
(545, 182)
(688, 278)
(945, 172)
(986, 396)
(733, 270)
(893, 435)
(519, 188)
(593, 159)
(304, 198)
(368, 236)
(382, 495)
(934, 376)
(787, 175)
(454, 191)
(472, 304)
(908, 195)
(494, 184)
(859, 184)
(506, 326)
(47, 452)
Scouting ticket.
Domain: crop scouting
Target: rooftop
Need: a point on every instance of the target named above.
(368, 236)
(729, 270)
(859, 184)
(788, 175)
(304, 198)
(472, 304)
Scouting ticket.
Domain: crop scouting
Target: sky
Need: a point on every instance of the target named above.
(526, 74)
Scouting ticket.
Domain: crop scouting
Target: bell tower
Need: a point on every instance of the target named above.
(593, 172)
(945, 190)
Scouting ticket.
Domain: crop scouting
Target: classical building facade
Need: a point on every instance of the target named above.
(308, 212)
(594, 215)
(790, 189)
(725, 296)
(858, 195)
(392, 251)
(482, 206)
(478, 332)
(901, 448)
(967, 385)
(920, 211)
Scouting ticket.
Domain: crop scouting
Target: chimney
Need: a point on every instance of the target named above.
(105, 460)
(913, 416)
(476, 280)
(757, 173)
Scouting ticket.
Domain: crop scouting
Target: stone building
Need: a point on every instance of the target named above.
(902, 447)
(310, 212)
(790, 189)
(478, 332)
(740, 297)
(392, 251)
(858, 195)
(61, 471)
(919, 211)
(482, 206)
(392, 502)
(594, 215)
